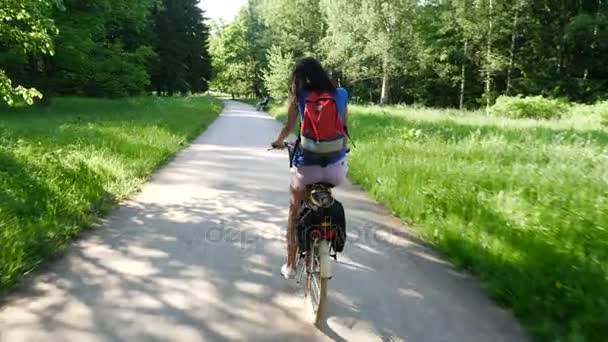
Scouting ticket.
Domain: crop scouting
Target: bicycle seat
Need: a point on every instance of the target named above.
(320, 194)
(325, 185)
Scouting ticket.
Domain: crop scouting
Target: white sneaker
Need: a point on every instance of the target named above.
(288, 272)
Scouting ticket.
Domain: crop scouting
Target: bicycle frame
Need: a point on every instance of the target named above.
(319, 256)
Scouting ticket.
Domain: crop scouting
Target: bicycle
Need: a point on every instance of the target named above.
(315, 264)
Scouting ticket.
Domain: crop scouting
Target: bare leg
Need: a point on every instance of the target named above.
(296, 197)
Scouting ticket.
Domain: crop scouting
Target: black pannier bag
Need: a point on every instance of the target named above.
(312, 219)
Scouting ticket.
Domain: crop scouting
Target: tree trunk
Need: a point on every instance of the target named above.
(463, 74)
(488, 59)
(384, 94)
(384, 97)
(559, 59)
(512, 51)
(597, 17)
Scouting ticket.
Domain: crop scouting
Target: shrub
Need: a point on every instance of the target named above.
(118, 73)
(535, 107)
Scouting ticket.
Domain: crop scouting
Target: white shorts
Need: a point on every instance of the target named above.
(304, 175)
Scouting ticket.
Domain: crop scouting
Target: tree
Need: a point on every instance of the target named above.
(26, 29)
(181, 38)
(257, 44)
(488, 68)
(517, 5)
(239, 53)
(104, 47)
(101, 49)
(369, 39)
(230, 61)
(278, 73)
(449, 39)
(297, 26)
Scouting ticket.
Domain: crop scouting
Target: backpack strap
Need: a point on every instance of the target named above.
(295, 149)
(348, 135)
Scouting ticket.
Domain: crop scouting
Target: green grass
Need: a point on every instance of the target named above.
(63, 166)
(523, 204)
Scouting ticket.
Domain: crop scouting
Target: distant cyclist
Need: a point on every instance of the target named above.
(320, 154)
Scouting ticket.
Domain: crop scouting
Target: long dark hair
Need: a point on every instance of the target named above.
(308, 74)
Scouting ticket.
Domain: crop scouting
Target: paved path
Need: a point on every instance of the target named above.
(196, 256)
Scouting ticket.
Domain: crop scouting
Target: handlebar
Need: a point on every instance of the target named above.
(286, 144)
(290, 145)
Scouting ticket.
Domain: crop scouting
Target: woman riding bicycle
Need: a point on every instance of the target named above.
(310, 81)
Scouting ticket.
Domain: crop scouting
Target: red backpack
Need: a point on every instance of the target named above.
(322, 133)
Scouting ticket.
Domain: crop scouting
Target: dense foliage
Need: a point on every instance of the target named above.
(238, 53)
(456, 53)
(24, 29)
(183, 62)
(108, 48)
(279, 71)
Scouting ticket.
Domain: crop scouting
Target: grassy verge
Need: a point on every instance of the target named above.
(523, 204)
(63, 166)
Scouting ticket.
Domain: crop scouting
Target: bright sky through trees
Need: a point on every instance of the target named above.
(224, 9)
